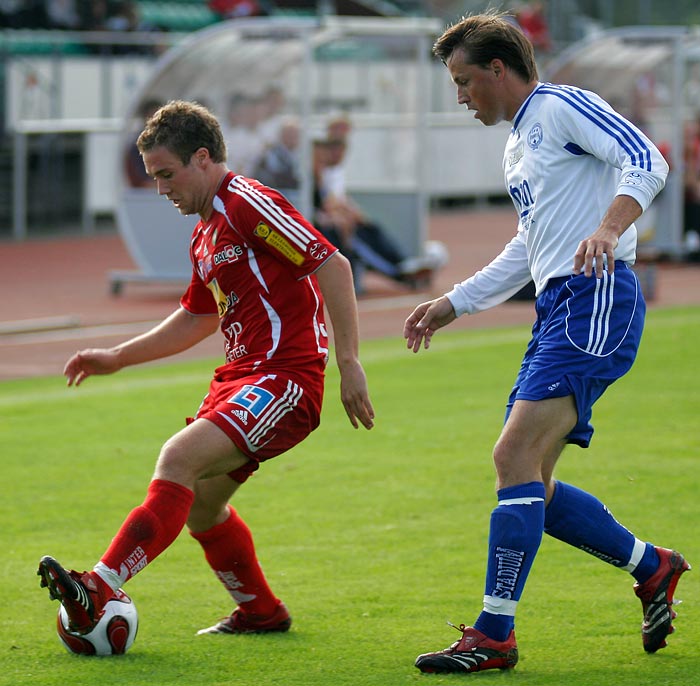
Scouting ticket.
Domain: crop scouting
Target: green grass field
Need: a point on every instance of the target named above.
(373, 539)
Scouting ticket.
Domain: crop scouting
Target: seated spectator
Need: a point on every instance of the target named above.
(244, 143)
(279, 165)
(364, 242)
(271, 114)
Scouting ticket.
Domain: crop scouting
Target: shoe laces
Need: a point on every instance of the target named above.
(461, 627)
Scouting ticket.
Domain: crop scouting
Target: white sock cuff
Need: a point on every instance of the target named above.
(637, 554)
(109, 576)
(499, 606)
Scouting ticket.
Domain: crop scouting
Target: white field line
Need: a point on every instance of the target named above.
(464, 340)
(74, 334)
(96, 387)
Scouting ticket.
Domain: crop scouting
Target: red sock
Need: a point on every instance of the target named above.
(149, 529)
(230, 552)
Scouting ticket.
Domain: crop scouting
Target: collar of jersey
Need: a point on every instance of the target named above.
(523, 107)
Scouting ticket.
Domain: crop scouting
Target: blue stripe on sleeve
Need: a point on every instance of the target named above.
(608, 121)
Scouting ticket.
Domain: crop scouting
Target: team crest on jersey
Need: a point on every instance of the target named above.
(534, 138)
(318, 251)
(279, 243)
(632, 179)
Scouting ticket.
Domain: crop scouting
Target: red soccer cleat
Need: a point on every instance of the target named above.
(241, 623)
(656, 594)
(83, 595)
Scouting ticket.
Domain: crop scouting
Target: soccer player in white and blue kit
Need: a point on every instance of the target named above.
(579, 175)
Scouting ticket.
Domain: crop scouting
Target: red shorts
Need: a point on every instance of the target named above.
(264, 415)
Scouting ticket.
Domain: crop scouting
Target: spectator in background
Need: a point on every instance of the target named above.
(271, 114)
(531, 18)
(63, 15)
(244, 143)
(93, 14)
(364, 242)
(279, 166)
(236, 9)
(338, 128)
(372, 246)
(127, 17)
(9, 13)
(28, 14)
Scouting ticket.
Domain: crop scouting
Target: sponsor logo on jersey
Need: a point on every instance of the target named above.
(224, 301)
(230, 253)
(234, 349)
(534, 138)
(233, 331)
(262, 230)
(204, 267)
(318, 251)
(516, 155)
(279, 242)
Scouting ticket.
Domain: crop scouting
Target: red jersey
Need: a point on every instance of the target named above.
(253, 264)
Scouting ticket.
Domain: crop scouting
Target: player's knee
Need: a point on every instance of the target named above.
(515, 464)
(173, 465)
(503, 462)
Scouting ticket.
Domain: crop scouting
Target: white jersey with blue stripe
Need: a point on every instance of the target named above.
(568, 155)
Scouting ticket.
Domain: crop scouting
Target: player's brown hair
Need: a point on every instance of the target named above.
(183, 127)
(489, 36)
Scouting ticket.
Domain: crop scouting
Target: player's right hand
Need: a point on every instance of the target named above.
(425, 320)
(88, 362)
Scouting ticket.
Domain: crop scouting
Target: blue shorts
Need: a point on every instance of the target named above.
(586, 336)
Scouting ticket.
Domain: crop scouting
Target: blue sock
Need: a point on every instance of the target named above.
(514, 537)
(581, 520)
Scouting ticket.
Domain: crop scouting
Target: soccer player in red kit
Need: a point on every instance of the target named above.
(261, 273)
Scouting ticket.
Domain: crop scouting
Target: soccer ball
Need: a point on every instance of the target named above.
(114, 633)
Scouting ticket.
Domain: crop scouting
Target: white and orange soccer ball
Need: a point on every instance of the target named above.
(113, 634)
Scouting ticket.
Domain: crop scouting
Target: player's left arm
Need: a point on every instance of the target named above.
(598, 250)
(643, 171)
(336, 284)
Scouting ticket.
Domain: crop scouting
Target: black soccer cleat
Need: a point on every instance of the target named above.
(78, 593)
(474, 652)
